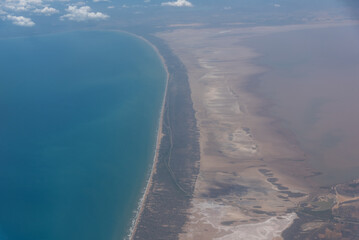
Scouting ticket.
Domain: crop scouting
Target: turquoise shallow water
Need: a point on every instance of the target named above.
(79, 115)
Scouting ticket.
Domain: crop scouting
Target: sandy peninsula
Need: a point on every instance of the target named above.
(225, 168)
(136, 220)
(168, 195)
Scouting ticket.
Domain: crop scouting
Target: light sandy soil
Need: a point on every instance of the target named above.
(252, 173)
(252, 176)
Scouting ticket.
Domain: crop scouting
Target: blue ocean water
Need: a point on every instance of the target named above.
(79, 115)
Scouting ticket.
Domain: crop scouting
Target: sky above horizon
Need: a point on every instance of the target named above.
(37, 13)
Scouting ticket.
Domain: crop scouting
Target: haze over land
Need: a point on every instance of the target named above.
(259, 129)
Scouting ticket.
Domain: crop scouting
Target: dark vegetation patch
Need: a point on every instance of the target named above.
(264, 171)
(165, 208)
(354, 185)
(331, 229)
(280, 186)
(223, 189)
(259, 212)
(228, 223)
(338, 223)
(350, 189)
(272, 180)
(264, 212)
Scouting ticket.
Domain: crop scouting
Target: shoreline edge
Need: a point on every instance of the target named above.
(159, 136)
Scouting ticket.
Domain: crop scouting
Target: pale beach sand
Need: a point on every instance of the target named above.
(158, 144)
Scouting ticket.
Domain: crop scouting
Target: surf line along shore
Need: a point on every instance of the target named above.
(158, 143)
(163, 208)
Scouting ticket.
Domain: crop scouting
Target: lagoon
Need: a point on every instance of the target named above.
(311, 85)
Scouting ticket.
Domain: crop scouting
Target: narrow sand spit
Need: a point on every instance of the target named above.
(158, 142)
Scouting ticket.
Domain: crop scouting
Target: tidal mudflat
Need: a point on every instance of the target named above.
(254, 171)
(311, 84)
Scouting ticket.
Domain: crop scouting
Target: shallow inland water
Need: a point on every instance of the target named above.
(312, 80)
(79, 117)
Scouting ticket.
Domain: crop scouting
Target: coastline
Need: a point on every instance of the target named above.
(252, 173)
(195, 207)
(167, 199)
(254, 178)
(123, 220)
(158, 144)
